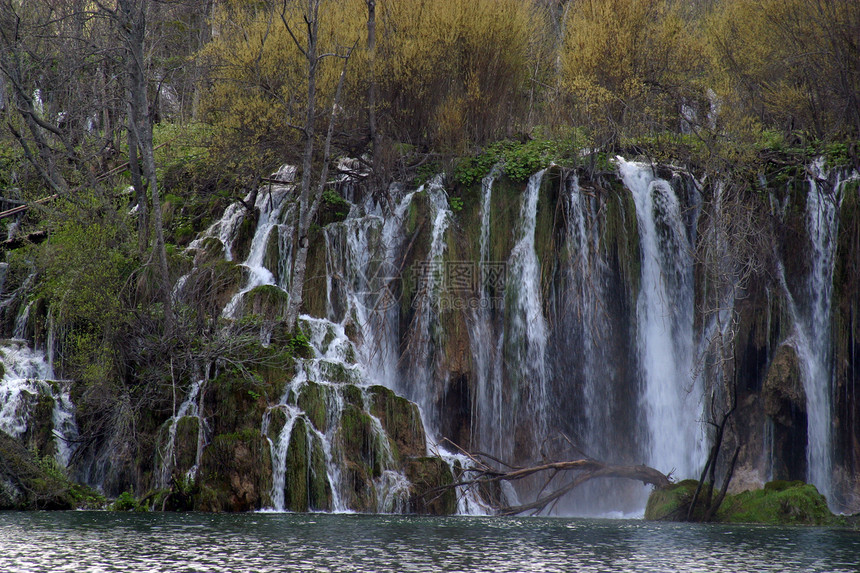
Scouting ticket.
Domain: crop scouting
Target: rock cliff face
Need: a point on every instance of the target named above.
(608, 315)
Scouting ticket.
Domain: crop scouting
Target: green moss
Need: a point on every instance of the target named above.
(319, 488)
(313, 400)
(235, 473)
(185, 443)
(296, 477)
(314, 297)
(401, 421)
(779, 503)
(427, 474)
(277, 421)
(272, 256)
(352, 395)
(358, 487)
(355, 437)
(337, 372)
(671, 503)
(267, 301)
(244, 236)
(333, 208)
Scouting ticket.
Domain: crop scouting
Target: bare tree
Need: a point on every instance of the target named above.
(309, 46)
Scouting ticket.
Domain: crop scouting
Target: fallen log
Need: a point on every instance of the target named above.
(34, 238)
(485, 471)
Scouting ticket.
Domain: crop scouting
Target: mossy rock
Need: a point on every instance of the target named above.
(272, 256)
(277, 421)
(358, 487)
(356, 440)
(783, 386)
(333, 208)
(314, 292)
(210, 249)
(338, 373)
(779, 503)
(185, 443)
(319, 488)
(296, 496)
(235, 473)
(671, 503)
(401, 420)
(238, 403)
(244, 236)
(427, 474)
(267, 301)
(313, 400)
(30, 483)
(352, 395)
(39, 436)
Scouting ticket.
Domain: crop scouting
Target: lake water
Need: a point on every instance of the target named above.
(102, 541)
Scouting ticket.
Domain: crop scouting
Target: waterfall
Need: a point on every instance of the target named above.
(190, 407)
(527, 330)
(822, 224)
(487, 412)
(811, 314)
(28, 376)
(586, 305)
(671, 395)
(333, 368)
(423, 332)
(270, 202)
(20, 332)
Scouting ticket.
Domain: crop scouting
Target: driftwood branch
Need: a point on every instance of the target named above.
(485, 471)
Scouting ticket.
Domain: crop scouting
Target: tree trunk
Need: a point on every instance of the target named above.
(372, 90)
(132, 21)
(300, 263)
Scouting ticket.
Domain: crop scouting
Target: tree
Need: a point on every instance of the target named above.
(629, 65)
(791, 66)
(308, 205)
(130, 17)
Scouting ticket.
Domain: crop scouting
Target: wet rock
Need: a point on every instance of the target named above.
(401, 421)
(427, 474)
(235, 473)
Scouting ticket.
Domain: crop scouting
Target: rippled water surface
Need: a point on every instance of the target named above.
(101, 541)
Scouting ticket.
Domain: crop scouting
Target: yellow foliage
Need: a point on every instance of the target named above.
(260, 78)
(792, 64)
(632, 61)
(450, 66)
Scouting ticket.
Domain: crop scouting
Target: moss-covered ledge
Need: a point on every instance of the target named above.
(778, 503)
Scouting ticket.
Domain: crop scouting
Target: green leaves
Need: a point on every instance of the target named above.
(519, 161)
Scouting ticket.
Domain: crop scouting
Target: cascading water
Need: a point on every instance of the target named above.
(526, 333)
(487, 408)
(28, 375)
(190, 408)
(587, 309)
(270, 203)
(333, 370)
(421, 340)
(811, 314)
(672, 396)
